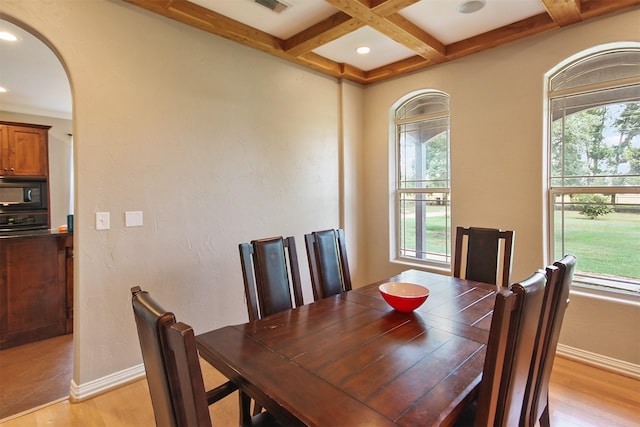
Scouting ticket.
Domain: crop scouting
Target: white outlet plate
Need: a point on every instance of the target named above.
(133, 219)
(103, 221)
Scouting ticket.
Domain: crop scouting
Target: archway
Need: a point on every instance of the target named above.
(38, 91)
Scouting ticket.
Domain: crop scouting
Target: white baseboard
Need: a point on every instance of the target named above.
(599, 361)
(101, 385)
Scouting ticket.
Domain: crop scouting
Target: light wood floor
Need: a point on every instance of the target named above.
(580, 396)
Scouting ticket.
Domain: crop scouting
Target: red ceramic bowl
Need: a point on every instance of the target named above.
(404, 297)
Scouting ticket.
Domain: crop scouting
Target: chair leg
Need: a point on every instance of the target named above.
(245, 408)
(544, 418)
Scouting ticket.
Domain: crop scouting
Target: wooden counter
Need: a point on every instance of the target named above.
(36, 286)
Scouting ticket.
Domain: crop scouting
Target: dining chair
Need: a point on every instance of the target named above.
(173, 370)
(271, 276)
(483, 252)
(270, 272)
(509, 354)
(556, 301)
(328, 263)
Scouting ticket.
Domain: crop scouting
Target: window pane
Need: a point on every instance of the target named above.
(425, 226)
(424, 104)
(424, 154)
(605, 67)
(595, 146)
(567, 105)
(603, 231)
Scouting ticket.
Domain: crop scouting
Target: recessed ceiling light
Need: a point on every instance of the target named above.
(7, 36)
(471, 6)
(363, 50)
(2, 90)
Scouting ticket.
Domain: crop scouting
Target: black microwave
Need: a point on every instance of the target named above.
(23, 204)
(23, 194)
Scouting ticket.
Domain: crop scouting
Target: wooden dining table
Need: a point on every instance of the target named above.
(352, 360)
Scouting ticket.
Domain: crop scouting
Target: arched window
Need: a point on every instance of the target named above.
(594, 166)
(421, 213)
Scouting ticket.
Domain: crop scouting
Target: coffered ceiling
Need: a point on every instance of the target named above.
(402, 35)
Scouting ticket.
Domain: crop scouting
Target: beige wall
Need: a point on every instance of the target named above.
(219, 144)
(216, 143)
(497, 161)
(352, 125)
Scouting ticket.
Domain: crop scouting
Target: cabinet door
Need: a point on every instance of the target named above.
(27, 151)
(67, 248)
(32, 291)
(4, 150)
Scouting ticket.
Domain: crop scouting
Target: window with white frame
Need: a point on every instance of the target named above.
(594, 167)
(422, 211)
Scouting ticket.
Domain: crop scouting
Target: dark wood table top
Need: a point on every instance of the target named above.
(351, 360)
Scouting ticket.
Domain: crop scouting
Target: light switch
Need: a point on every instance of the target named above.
(102, 221)
(133, 219)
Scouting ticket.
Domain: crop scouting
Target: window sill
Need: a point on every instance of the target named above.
(584, 286)
(433, 268)
(605, 290)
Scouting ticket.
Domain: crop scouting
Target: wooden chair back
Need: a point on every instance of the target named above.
(556, 301)
(485, 256)
(171, 363)
(510, 352)
(328, 263)
(271, 276)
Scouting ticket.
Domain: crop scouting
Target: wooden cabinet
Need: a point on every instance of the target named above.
(67, 245)
(36, 301)
(24, 150)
